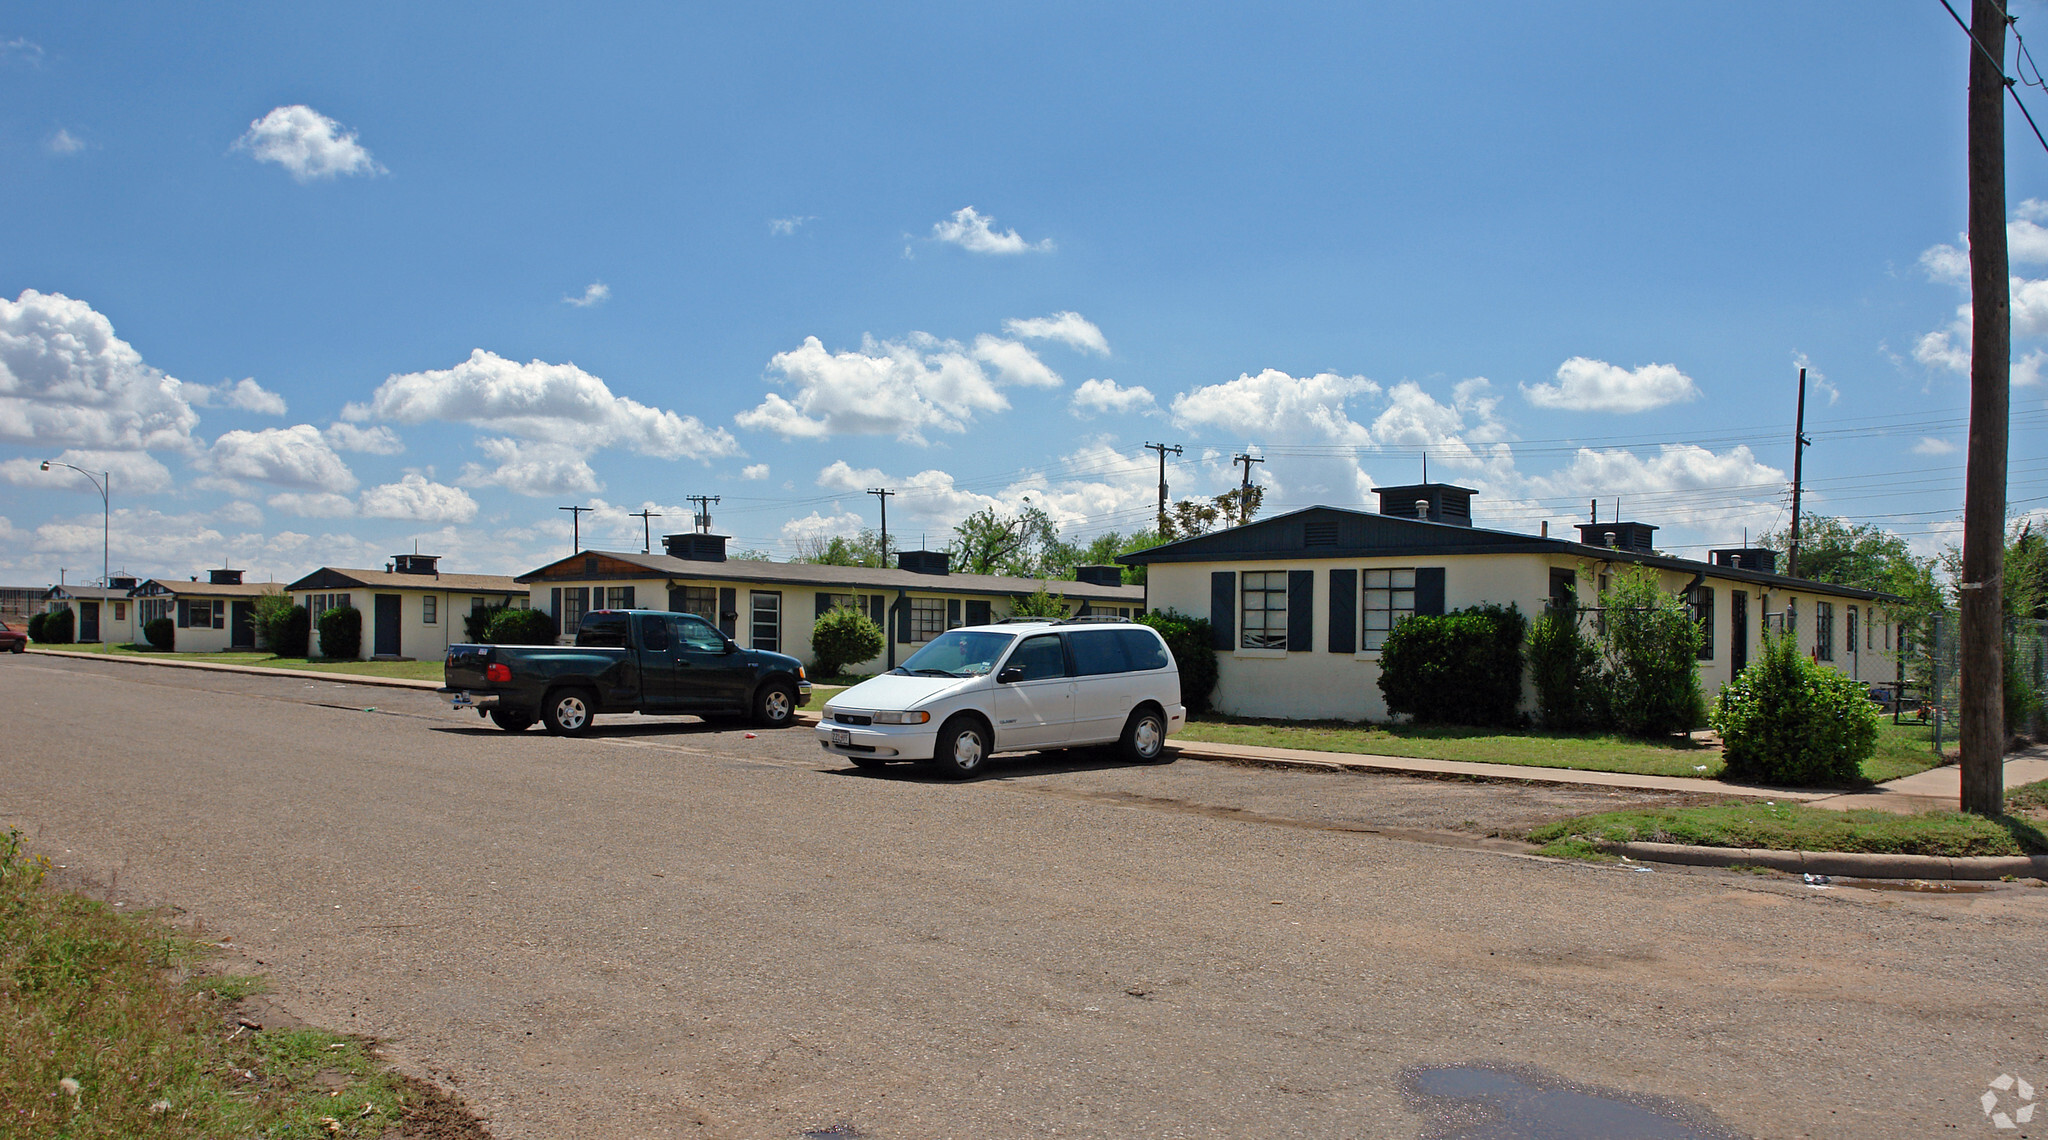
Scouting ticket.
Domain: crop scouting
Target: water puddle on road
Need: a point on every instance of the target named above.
(1482, 1102)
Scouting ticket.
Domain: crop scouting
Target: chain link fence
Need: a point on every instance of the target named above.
(1932, 681)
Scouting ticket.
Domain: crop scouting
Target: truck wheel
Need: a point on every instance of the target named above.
(1144, 739)
(775, 706)
(512, 721)
(568, 712)
(962, 748)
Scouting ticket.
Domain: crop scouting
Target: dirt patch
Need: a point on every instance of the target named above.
(434, 1113)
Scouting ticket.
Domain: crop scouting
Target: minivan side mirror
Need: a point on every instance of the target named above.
(1010, 675)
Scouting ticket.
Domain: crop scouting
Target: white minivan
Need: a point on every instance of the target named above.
(1010, 687)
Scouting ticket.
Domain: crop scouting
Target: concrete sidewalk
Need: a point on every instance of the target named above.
(1938, 789)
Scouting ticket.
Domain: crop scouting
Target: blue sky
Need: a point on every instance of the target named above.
(426, 274)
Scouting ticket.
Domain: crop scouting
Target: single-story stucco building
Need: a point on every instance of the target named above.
(1301, 603)
(773, 605)
(410, 609)
(212, 616)
(103, 613)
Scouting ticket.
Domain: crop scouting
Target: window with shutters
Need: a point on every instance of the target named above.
(575, 602)
(1702, 607)
(702, 601)
(1389, 596)
(1265, 610)
(618, 597)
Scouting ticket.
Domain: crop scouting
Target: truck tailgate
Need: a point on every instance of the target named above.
(465, 666)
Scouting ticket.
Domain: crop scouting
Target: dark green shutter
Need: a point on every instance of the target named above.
(1343, 611)
(952, 612)
(1429, 590)
(629, 600)
(977, 613)
(728, 610)
(824, 604)
(1223, 609)
(903, 621)
(554, 606)
(876, 612)
(1301, 610)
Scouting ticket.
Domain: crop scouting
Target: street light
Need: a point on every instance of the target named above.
(101, 484)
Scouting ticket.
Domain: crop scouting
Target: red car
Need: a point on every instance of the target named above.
(13, 640)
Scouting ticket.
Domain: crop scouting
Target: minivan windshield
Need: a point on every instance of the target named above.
(958, 653)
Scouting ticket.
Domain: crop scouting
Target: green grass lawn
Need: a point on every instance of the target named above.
(409, 670)
(1795, 827)
(1901, 751)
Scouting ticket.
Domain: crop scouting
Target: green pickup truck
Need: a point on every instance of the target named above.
(644, 661)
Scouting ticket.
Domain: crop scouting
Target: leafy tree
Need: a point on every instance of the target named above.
(864, 549)
(843, 636)
(1043, 604)
(1651, 650)
(274, 618)
(1191, 517)
(1022, 545)
(1194, 654)
(2026, 573)
(1103, 550)
(751, 556)
(1866, 557)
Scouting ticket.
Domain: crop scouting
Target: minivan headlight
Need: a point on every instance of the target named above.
(917, 717)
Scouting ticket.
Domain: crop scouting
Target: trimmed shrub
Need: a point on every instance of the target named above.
(58, 627)
(843, 636)
(1457, 668)
(1786, 720)
(37, 623)
(1565, 668)
(161, 633)
(294, 636)
(341, 633)
(1194, 654)
(476, 624)
(1653, 658)
(521, 627)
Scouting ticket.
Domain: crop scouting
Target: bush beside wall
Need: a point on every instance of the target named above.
(161, 633)
(1786, 720)
(59, 628)
(1194, 653)
(521, 627)
(1457, 668)
(843, 637)
(341, 633)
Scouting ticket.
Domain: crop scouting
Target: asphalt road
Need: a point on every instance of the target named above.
(669, 930)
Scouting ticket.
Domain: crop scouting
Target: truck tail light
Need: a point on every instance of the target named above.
(498, 673)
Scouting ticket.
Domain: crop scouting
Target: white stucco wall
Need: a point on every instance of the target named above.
(1317, 684)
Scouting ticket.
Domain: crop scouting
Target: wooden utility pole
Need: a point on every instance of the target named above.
(703, 513)
(1244, 489)
(575, 526)
(646, 518)
(883, 494)
(1981, 664)
(1799, 442)
(1163, 450)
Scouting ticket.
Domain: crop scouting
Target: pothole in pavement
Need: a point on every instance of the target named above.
(1491, 1102)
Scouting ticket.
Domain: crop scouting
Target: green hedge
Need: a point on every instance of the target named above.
(37, 623)
(1564, 666)
(1786, 720)
(521, 627)
(1194, 653)
(161, 633)
(1456, 668)
(341, 633)
(58, 627)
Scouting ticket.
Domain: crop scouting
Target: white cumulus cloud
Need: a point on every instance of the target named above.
(245, 394)
(418, 499)
(1929, 445)
(899, 388)
(313, 504)
(65, 378)
(532, 468)
(1102, 397)
(377, 440)
(974, 231)
(1014, 363)
(754, 471)
(557, 403)
(308, 144)
(1587, 385)
(132, 472)
(296, 456)
(1067, 327)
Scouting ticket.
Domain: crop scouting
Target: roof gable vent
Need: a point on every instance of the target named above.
(1319, 534)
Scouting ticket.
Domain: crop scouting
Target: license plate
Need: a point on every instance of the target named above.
(841, 736)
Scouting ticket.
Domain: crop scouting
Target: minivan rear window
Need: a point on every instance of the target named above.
(1144, 649)
(1098, 651)
(603, 631)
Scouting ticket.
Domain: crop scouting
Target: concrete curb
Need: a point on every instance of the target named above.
(1468, 770)
(257, 670)
(1843, 864)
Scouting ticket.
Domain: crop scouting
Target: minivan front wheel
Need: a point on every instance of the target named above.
(962, 748)
(1144, 739)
